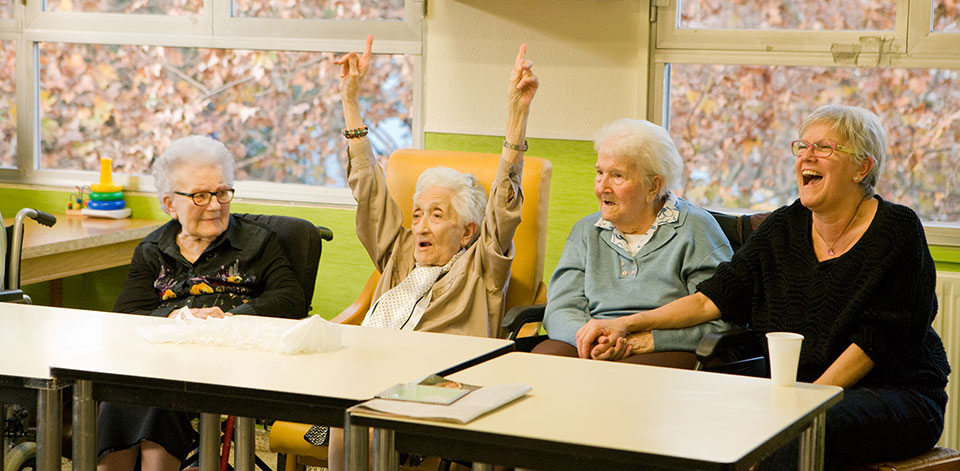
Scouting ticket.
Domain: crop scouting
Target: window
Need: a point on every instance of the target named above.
(152, 7)
(122, 79)
(946, 16)
(733, 125)
(8, 103)
(788, 14)
(733, 99)
(273, 109)
(322, 9)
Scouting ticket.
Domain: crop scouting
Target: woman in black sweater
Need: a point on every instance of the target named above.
(849, 271)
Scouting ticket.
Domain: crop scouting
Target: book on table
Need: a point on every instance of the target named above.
(438, 398)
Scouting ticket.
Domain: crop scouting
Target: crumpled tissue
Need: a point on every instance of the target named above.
(313, 334)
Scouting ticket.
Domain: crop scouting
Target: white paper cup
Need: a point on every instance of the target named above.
(784, 350)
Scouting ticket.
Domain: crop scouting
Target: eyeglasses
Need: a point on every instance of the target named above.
(819, 150)
(202, 198)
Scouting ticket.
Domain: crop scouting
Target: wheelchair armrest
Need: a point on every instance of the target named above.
(737, 351)
(518, 316)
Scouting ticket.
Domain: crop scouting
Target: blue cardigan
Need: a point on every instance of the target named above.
(595, 278)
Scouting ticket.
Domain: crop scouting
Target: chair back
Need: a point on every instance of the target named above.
(738, 227)
(302, 244)
(529, 242)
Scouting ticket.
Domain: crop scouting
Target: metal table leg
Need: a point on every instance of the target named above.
(385, 456)
(3, 433)
(243, 436)
(48, 429)
(84, 427)
(812, 445)
(209, 442)
(356, 446)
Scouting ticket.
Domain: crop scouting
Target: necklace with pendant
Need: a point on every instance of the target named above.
(844, 231)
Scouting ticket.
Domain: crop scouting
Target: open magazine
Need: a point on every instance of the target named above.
(437, 398)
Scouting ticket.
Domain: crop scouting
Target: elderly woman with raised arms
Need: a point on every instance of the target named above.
(853, 274)
(448, 273)
(644, 248)
(207, 261)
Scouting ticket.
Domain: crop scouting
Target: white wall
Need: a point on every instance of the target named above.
(585, 52)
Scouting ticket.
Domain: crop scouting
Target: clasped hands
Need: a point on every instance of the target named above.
(608, 339)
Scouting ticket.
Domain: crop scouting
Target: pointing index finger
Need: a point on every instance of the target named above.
(517, 64)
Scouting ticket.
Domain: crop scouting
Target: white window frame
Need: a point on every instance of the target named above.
(212, 28)
(910, 44)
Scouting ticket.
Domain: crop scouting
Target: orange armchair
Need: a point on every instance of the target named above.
(529, 242)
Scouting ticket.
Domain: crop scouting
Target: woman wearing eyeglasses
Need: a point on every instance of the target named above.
(853, 274)
(206, 260)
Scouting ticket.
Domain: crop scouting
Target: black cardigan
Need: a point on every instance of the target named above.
(879, 295)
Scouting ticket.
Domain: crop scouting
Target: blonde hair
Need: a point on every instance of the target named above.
(862, 131)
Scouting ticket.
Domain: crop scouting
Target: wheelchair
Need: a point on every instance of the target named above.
(18, 450)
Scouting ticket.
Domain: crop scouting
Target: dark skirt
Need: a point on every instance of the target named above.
(121, 426)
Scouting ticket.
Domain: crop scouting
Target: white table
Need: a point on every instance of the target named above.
(119, 366)
(598, 415)
(30, 339)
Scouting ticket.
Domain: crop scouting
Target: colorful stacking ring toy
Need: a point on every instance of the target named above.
(106, 205)
(106, 197)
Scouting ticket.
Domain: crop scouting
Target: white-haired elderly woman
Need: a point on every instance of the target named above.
(853, 274)
(643, 249)
(448, 273)
(207, 261)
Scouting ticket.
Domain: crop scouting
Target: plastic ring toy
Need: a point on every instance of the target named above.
(105, 187)
(106, 205)
(114, 195)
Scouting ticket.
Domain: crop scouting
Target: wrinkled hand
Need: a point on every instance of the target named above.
(523, 83)
(633, 344)
(203, 313)
(589, 336)
(353, 70)
(610, 351)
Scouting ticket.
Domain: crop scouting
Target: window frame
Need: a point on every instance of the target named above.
(212, 28)
(911, 45)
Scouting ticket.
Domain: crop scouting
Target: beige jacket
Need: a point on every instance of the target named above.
(467, 300)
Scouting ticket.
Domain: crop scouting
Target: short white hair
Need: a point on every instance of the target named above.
(469, 197)
(649, 145)
(863, 132)
(192, 151)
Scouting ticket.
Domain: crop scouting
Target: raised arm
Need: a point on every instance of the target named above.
(522, 87)
(503, 206)
(353, 69)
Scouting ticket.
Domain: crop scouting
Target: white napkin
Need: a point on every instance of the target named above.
(313, 334)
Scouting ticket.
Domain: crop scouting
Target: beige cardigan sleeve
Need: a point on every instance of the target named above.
(379, 222)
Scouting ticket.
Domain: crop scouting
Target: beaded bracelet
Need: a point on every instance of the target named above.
(514, 146)
(355, 133)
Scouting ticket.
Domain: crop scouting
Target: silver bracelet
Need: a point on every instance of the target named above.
(516, 147)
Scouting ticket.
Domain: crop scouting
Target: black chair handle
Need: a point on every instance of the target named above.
(325, 233)
(46, 219)
(518, 316)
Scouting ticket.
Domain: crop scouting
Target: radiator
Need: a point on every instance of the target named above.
(947, 325)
